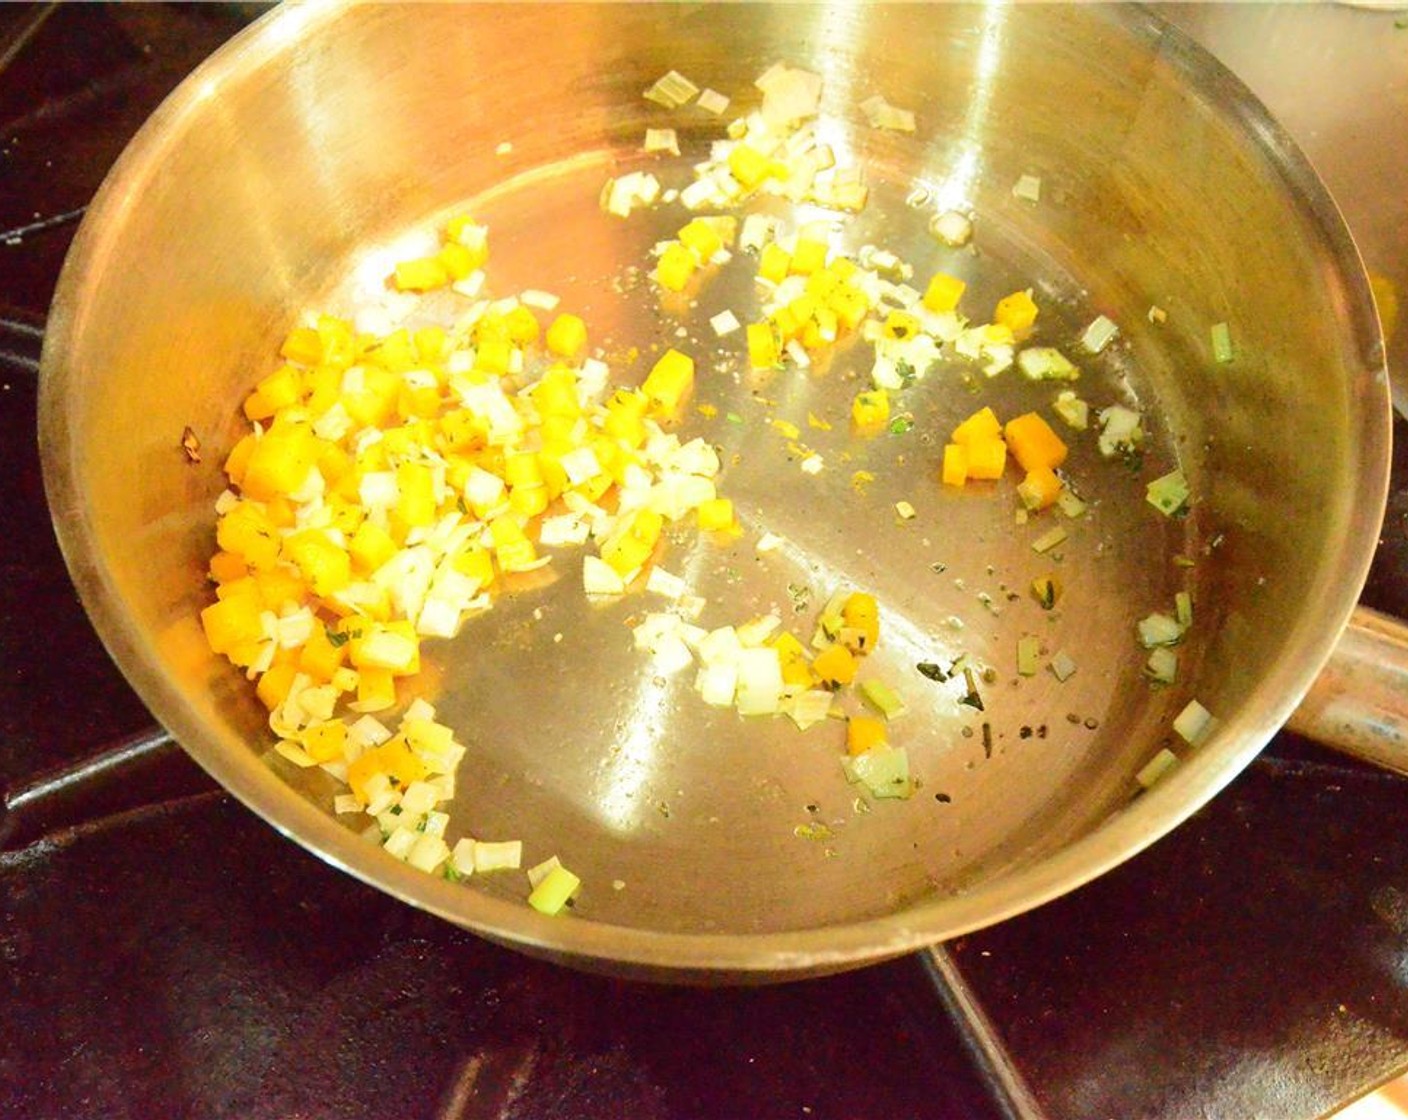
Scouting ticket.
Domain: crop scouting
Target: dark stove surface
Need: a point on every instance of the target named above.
(164, 953)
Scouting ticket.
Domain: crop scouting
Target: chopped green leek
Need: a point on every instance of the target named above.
(882, 698)
(1070, 408)
(1183, 609)
(1221, 343)
(883, 770)
(1049, 539)
(1159, 629)
(1193, 723)
(1098, 335)
(1162, 666)
(1063, 666)
(1028, 651)
(553, 891)
(1046, 363)
(1156, 768)
(1169, 493)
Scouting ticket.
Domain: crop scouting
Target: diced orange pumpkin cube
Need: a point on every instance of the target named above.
(231, 622)
(1033, 443)
(943, 292)
(325, 741)
(808, 255)
(834, 666)
(320, 656)
(326, 567)
(715, 515)
(955, 468)
(1040, 488)
(792, 655)
(982, 425)
(1017, 312)
(987, 459)
(762, 346)
(279, 463)
(566, 336)
(702, 239)
(304, 346)
(227, 566)
(864, 733)
(676, 265)
(668, 383)
(870, 410)
(422, 274)
(274, 685)
(860, 616)
(774, 263)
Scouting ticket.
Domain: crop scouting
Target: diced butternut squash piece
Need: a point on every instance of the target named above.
(834, 666)
(1040, 488)
(280, 461)
(304, 346)
(749, 166)
(982, 425)
(280, 588)
(987, 459)
(477, 563)
(864, 733)
(394, 759)
(808, 256)
(676, 265)
(1016, 312)
(376, 690)
(231, 622)
(421, 274)
(716, 514)
(850, 305)
(774, 263)
(943, 292)
(900, 325)
(860, 617)
(668, 383)
(275, 684)
(246, 531)
(955, 468)
(566, 336)
(762, 346)
(870, 410)
(701, 238)
(556, 393)
(321, 656)
(792, 655)
(371, 546)
(324, 566)
(325, 741)
(227, 566)
(1033, 443)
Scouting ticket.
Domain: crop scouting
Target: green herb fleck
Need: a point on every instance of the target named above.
(452, 874)
(901, 424)
(906, 371)
(336, 638)
(933, 670)
(733, 418)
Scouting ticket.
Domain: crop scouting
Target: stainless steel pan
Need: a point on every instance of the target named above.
(714, 847)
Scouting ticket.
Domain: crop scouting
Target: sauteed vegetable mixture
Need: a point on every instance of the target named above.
(392, 484)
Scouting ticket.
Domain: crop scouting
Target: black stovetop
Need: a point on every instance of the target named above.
(165, 953)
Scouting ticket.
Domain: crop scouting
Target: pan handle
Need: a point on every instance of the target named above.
(1359, 703)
